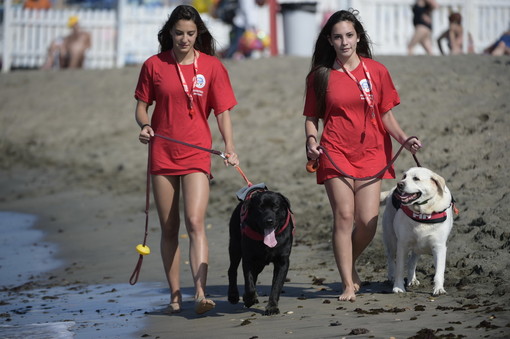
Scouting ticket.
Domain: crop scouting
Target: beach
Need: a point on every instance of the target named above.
(71, 157)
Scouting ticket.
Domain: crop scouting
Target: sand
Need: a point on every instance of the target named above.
(70, 156)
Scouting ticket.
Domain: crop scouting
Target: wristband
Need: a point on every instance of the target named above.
(311, 136)
(145, 125)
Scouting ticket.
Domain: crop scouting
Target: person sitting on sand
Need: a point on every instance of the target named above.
(357, 125)
(501, 46)
(454, 35)
(186, 81)
(69, 51)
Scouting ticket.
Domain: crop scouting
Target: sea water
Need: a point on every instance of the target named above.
(75, 311)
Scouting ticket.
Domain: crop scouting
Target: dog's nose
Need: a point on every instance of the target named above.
(401, 185)
(269, 221)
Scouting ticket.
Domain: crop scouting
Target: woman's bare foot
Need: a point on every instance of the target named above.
(173, 308)
(356, 280)
(349, 294)
(203, 305)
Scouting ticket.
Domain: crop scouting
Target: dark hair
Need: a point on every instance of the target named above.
(205, 42)
(455, 18)
(324, 54)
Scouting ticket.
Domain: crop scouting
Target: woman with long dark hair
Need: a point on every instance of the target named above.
(353, 96)
(186, 82)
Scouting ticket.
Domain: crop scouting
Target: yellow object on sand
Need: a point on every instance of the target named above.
(143, 249)
(73, 20)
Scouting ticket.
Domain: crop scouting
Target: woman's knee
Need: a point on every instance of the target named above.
(195, 225)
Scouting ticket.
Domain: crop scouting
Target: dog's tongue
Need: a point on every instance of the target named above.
(269, 238)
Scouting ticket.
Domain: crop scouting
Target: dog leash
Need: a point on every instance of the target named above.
(212, 151)
(313, 165)
(142, 248)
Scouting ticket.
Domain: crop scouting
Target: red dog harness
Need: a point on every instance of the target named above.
(250, 232)
(433, 218)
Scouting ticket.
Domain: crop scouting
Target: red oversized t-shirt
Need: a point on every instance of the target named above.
(359, 146)
(159, 82)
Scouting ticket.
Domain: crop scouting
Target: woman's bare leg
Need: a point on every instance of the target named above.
(195, 187)
(341, 197)
(366, 201)
(166, 195)
(422, 35)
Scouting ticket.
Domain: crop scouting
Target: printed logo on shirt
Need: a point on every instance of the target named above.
(200, 81)
(365, 85)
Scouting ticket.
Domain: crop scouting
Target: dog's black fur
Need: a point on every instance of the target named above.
(265, 209)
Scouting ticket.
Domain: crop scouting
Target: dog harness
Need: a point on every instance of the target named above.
(433, 218)
(250, 232)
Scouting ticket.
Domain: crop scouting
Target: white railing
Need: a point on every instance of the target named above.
(129, 34)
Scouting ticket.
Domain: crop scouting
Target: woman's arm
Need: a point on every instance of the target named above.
(312, 141)
(142, 118)
(225, 127)
(392, 126)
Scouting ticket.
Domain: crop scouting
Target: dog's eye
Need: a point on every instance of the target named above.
(416, 179)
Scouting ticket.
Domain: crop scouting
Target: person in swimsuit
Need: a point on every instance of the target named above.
(422, 22)
(186, 82)
(69, 51)
(353, 96)
(501, 46)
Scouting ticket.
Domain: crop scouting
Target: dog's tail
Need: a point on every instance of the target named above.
(383, 196)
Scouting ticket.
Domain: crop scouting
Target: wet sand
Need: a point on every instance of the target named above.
(71, 157)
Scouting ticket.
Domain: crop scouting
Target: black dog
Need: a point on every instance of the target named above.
(261, 232)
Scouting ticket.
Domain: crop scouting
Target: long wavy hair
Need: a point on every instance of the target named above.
(204, 43)
(324, 54)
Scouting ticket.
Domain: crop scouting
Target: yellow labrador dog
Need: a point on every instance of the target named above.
(417, 220)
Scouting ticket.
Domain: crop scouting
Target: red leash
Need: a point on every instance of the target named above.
(313, 165)
(143, 249)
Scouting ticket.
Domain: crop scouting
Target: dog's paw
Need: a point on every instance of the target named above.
(414, 282)
(272, 310)
(397, 289)
(233, 296)
(250, 299)
(439, 290)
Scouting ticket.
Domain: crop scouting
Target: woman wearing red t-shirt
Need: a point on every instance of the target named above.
(186, 82)
(353, 95)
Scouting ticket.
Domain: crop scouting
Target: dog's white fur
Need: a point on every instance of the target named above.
(424, 192)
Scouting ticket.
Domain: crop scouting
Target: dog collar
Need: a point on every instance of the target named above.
(254, 235)
(433, 218)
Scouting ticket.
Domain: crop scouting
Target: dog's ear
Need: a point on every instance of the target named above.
(440, 183)
(285, 201)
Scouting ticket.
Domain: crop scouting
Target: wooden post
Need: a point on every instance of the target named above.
(120, 58)
(7, 52)
(273, 32)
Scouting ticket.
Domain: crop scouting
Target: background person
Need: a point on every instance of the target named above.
(353, 95)
(185, 81)
(245, 19)
(69, 51)
(422, 22)
(500, 46)
(454, 36)
(37, 4)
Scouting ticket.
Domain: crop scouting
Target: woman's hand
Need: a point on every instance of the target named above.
(413, 145)
(231, 159)
(312, 148)
(145, 134)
